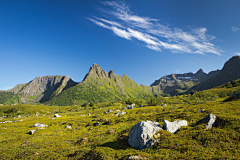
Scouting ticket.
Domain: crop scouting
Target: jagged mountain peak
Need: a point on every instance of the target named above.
(200, 71)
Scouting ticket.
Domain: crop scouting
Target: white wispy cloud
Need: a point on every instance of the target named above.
(234, 29)
(155, 35)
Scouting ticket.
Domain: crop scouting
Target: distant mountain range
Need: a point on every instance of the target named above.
(101, 86)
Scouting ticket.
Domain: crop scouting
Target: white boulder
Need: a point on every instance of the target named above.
(174, 126)
(211, 121)
(140, 135)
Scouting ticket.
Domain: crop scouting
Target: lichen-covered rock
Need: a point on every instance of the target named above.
(174, 126)
(140, 135)
(211, 121)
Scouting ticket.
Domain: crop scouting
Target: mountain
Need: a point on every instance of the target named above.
(101, 86)
(229, 72)
(178, 83)
(42, 89)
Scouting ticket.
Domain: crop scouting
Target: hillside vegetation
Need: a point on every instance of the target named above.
(109, 139)
(100, 86)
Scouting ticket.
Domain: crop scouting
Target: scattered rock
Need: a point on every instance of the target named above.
(136, 157)
(39, 125)
(211, 121)
(174, 126)
(111, 131)
(201, 110)
(164, 105)
(89, 114)
(121, 114)
(32, 131)
(140, 135)
(95, 124)
(69, 127)
(109, 110)
(82, 141)
(130, 106)
(56, 115)
(19, 116)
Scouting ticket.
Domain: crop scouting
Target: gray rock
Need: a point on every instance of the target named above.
(39, 125)
(164, 105)
(121, 113)
(69, 127)
(211, 121)
(89, 114)
(56, 115)
(174, 126)
(96, 124)
(32, 131)
(140, 134)
(109, 110)
(130, 106)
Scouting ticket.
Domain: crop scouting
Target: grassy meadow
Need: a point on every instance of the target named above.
(109, 139)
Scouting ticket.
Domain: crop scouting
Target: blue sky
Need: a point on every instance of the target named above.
(142, 39)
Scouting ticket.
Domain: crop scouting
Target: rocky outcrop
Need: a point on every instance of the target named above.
(229, 72)
(140, 135)
(43, 88)
(211, 120)
(173, 127)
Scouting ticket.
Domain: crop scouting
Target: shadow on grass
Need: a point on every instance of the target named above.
(121, 143)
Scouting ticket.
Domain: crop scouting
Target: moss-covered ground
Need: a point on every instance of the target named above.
(109, 140)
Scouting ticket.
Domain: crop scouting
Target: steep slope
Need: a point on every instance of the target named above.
(101, 86)
(229, 72)
(178, 83)
(42, 89)
(7, 97)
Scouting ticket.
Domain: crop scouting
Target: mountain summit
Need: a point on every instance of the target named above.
(43, 88)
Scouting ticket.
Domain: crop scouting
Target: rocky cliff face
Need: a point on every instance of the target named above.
(43, 88)
(181, 82)
(229, 72)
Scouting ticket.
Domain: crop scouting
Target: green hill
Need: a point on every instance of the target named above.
(100, 86)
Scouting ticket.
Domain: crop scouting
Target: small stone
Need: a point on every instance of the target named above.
(39, 125)
(111, 131)
(56, 115)
(69, 127)
(32, 131)
(96, 124)
(83, 141)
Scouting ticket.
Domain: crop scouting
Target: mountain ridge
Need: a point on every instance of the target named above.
(99, 85)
